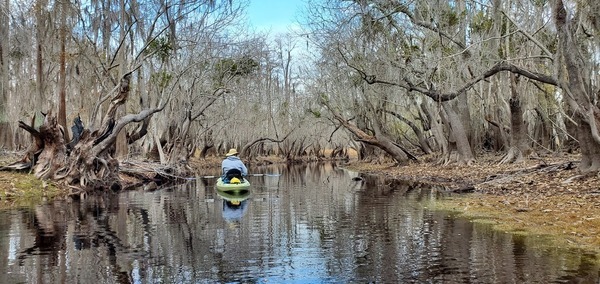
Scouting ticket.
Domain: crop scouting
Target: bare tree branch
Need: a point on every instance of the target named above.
(530, 37)
(408, 85)
(402, 8)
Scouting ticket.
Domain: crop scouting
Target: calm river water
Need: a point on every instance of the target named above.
(299, 224)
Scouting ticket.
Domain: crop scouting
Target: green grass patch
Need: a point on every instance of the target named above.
(21, 189)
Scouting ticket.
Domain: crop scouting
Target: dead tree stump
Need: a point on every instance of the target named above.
(87, 162)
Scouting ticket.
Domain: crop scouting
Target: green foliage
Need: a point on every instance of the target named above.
(256, 108)
(247, 66)
(481, 23)
(226, 65)
(324, 98)
(549, 40)
(237, 67)
(162, 79)
(161, 47)
(447, 50)
(450, 18)
(314, 112)
(17, 54)
(546, 97)
(410, 50)
(501, 51)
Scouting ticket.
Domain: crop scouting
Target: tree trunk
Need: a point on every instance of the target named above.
(519, 140)
(590, 148)
(500, 138)
(367, 152)
(121, 145)
(40, 7)
(209, 143)
(62, 73)
(437, 128)
(178, 151)
(543, 130)
(423, 144)
(577, 94)
(460, 150)
(379, 140)
(5, 129)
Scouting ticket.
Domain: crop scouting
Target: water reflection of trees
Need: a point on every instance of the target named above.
(371, 229)
(56, 235)
(374, 239)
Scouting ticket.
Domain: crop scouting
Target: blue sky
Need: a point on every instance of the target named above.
(274, 15)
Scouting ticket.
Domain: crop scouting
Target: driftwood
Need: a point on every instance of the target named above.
(86, 162)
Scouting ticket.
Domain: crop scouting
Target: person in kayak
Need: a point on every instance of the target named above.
(232, 167)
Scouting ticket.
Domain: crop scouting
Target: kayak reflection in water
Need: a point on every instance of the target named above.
(235, 205)
(234, 210)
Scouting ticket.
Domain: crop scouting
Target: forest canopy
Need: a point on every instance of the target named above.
(173, 80)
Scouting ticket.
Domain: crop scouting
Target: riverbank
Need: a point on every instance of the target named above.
(544, 196)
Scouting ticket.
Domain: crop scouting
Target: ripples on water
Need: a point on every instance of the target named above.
(302, 224)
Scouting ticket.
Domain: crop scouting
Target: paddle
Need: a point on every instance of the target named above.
(249, 175)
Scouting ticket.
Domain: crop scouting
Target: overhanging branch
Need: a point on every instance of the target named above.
(408, 85)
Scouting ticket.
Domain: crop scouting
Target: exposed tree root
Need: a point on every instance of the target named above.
(513, 155)
(87, 162)
(454, 158)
